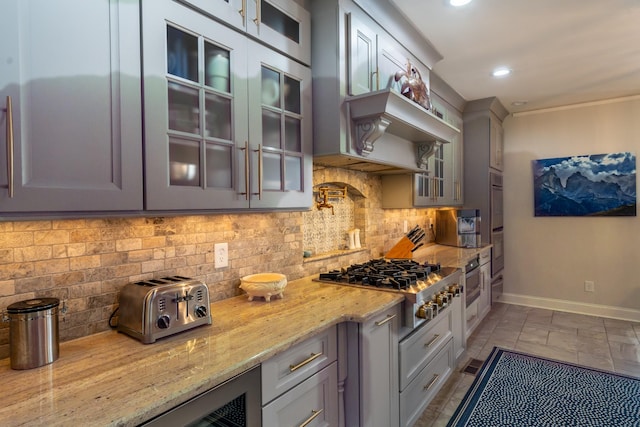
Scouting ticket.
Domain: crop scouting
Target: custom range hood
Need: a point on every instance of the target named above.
(388, 112)
(363, 52)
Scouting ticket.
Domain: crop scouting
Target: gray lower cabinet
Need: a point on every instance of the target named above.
(371, 386)
(426, 360)
(70, 107)
(311, 403)
(300, 385)
(415, 398)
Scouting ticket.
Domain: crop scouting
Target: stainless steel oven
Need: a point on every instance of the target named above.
(472, 281)
(236, 402)
(497, 226)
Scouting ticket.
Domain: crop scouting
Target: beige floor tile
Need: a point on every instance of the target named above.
(624, 351)
(593, 334)
(533, 335)
(577, 321)
(597, 362)
(627, 367)
(564, 340)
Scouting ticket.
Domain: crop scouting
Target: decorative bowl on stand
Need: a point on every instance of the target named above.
(265, 285)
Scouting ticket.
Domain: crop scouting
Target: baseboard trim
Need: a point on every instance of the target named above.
(572, 307)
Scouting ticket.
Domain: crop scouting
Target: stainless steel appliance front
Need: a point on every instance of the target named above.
(236, 402)
(458, 227)
(497, 229)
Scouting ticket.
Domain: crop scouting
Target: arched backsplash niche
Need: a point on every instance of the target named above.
(326, 229)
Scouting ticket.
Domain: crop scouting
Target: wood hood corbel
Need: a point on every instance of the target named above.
(387, 111)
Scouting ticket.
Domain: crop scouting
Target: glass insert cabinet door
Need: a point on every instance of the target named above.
(429, 187)
(227, 120)
(195, 97)
(279, 130)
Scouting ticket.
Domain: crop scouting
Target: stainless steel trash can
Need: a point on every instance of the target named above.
(33, 332)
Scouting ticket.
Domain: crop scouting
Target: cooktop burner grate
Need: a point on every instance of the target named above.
(381, 273)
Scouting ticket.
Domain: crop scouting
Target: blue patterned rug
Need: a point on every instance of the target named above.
(517, 389)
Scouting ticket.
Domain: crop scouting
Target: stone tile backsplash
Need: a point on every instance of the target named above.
(85, 262)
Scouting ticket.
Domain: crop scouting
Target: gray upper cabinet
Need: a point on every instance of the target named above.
(282, 24)
(71, 121)
(227, 119)
(374, 58)
(361, 119)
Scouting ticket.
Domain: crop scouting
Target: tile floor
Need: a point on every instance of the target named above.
(597, 342)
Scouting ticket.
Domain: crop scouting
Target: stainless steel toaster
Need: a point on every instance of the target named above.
(156, 308)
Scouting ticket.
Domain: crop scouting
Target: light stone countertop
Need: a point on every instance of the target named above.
(111, 379)
(448, 255)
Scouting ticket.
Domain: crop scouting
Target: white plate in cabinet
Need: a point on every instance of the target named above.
(418, 349)
(424, 387)
(286, 370)
(314, 402)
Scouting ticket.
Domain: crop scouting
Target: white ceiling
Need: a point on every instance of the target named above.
(561, 52)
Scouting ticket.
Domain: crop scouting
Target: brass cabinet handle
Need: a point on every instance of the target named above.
(313, 416)
(246, 170)
(242, 11)
(434, 339)
(432, 382)
(377, 74)
(9, 111)
(308, 360)
(257, 19)
(388, 319)
(260, 154)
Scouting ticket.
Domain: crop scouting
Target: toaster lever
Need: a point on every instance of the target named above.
(181, 298)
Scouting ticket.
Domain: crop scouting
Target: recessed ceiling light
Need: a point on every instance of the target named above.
(519, 103)
(501, 72)
(458, 3)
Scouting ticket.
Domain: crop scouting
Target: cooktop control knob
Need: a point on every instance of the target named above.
(201, 311)
(163, 321)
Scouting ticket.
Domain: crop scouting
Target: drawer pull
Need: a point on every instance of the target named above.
(313, 416)
(308, 360)
(388, 319)
(432, 382)
(434, 339)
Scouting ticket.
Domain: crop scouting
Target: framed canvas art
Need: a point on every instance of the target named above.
(588, 185)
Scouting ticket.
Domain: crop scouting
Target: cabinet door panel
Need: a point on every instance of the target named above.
(195, 95)
(312, 403)
(379, 371)
(280, 130)
(74, 86)
(363, 43)
(233, 12)
(283, 25)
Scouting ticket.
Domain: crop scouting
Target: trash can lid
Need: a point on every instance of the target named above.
(31, 305)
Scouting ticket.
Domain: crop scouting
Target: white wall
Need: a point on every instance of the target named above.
(547, 259)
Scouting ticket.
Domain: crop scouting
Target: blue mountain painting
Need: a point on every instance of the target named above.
(590, 185)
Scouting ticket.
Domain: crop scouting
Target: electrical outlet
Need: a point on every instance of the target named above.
(589, 286)
(405, 227)
(221, 255)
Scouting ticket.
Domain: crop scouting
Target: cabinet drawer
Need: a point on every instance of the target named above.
(485, 256)
(424, 387)
(315, 401)
(419, 348)
(286, 370)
